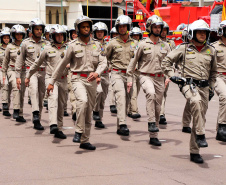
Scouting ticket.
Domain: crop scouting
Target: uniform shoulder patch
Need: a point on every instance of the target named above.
(211, 45)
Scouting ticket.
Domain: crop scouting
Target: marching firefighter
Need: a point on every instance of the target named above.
(100, 30)
(136, 34)
(30, 50)
(119, 52)
(86, 64)
(8, 70)
(50, 57)
(220, 86)
(113, 34)
(5, 40)
(197, 61)
(148, 56)
(172, 45)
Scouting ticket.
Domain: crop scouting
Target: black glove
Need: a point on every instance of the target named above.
(178, 80)
(211, 93)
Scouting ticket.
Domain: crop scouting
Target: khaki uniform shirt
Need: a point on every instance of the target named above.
(49, 58)
(149, 57)
(198, 65)
(2, 54)
(28, 53)
(120, 53)
(82, 58)
(171, 43)
(10, 57)
(221, 56)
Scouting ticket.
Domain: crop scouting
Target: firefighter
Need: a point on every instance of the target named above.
(113, 33)
(50, 57)
(119, 52)
(220, 86)
(149, 55)
(47, 32)
(30, 50)
(172, 45)
(73, 34)
(197, 61)
(5, 40)
(86, 63)
(100, 30)
(133, 112)
(17, 33)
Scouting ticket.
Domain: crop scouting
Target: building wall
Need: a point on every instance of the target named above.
(21, 11)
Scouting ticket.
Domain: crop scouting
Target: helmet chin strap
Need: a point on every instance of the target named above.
(156, 35)
(85, 35)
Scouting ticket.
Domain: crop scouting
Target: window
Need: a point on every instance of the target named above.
(50, 17)
(57, 17)
(65, 17)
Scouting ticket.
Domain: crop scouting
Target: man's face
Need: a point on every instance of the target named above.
(164, 33)
(6, 39)
(84, 28)
(37, 31)
(122, 29)
(100, 34)
(136, 37)
(47, 35)
(114, 35)
(156, 29)
(201, 35)
(74, 35)
(59, 37)
(19, 36)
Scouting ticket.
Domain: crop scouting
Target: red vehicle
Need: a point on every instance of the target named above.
(173, 14)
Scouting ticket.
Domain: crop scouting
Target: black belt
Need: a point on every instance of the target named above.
(199, 83)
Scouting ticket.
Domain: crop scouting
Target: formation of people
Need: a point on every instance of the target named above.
(57, 63)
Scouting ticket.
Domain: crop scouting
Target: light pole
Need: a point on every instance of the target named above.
(62, 18)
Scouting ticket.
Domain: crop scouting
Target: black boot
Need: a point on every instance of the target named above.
(221, 132)
(124, 131)
(65, 113)
(201, 141)
(99, 124)
(186, 129)
(36, 121)
(5, 110)
(53, 129)
(45, 103)
(74, 117)
(87, 146)
(96, 116)
(21, 119)
(16, 113)
(155, 142)
(152, 127)
(77, 137)
(60, 135)
(113, 109)
(197, 158)
(162, 120)
(135, 116)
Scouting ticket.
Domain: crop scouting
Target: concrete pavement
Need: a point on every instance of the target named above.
(29, 157)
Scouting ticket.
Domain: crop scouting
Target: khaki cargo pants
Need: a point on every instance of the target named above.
(85, 93)
(198, 104)
(153, 88)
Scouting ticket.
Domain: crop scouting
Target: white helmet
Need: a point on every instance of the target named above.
(82, 19)
(113, 30)
(154, 19)
(70, 32)
(136, 31)
(165, 25)
(123, 20)
(47, 28)
(36, 22)
(57, 29)
(198, 25)
(220, 31)
(17, 29)
(5, 31)
(100, 26)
